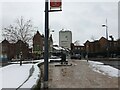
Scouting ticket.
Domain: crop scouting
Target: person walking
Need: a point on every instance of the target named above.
(63, 58)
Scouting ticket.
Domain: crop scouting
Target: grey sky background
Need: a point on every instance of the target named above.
(119, 20)
(84, 19)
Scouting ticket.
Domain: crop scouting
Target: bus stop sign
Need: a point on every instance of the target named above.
(55, 3)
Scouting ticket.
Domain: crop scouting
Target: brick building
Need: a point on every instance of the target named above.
(5, 52)
(77, 49)
(13, 50)
(21, 48)
(102, 48)
(38, 45)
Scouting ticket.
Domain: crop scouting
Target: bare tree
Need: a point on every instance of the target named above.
(21, 30)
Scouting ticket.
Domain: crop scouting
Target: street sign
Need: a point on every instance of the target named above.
(55, 4)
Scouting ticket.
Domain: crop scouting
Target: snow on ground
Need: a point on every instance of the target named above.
(104, 69)
(58, 59)
(33, 79)
(14, 75)
(35, 76)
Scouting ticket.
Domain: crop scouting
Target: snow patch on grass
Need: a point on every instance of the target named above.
(104, 69)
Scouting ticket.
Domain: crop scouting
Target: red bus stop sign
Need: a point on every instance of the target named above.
(55, 3)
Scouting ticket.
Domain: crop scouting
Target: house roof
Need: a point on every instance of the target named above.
(58, 48)
(37, 35)
(4, 41)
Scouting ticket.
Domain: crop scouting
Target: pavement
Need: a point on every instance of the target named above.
(78, 75)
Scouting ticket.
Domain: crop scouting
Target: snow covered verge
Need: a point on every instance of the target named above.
(33, 80)
(16, 76)
(104, 69)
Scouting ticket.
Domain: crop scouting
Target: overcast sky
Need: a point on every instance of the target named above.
(84, 19)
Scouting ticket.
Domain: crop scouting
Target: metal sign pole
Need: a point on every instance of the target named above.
(46, 52)
(46, 44)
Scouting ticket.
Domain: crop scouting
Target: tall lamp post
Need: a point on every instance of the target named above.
(107, 45)
(106, 26)
(87, 52)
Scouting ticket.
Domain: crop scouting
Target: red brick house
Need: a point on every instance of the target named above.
(77, 49)
(5, 46)
(21, 47)
(13, 50)
(37, 45)
(102, 47)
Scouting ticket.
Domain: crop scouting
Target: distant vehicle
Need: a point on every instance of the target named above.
(118, 56)
(15, 59)
(54, 57)
(76, 56)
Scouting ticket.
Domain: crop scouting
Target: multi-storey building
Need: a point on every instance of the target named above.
(38, 45)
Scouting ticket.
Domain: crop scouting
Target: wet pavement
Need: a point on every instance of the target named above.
(79, 75)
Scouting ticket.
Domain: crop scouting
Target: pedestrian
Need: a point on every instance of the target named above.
(20, 62)
(86, 57)
(63, 57)
(21, 57)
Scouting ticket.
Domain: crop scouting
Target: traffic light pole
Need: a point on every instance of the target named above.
(46, 53)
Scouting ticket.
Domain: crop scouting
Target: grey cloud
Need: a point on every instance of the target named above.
(83, 19)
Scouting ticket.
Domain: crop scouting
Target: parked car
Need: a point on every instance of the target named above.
(54, 57)
(76, 56)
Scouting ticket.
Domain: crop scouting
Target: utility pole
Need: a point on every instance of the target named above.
(46, 44)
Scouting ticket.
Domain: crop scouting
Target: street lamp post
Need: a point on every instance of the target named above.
(51, 31)
(50, 41)
(112, 46)
(106, 26)
(87, 52)
(107, 46)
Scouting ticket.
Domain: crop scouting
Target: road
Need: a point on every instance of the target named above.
(79, 75)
